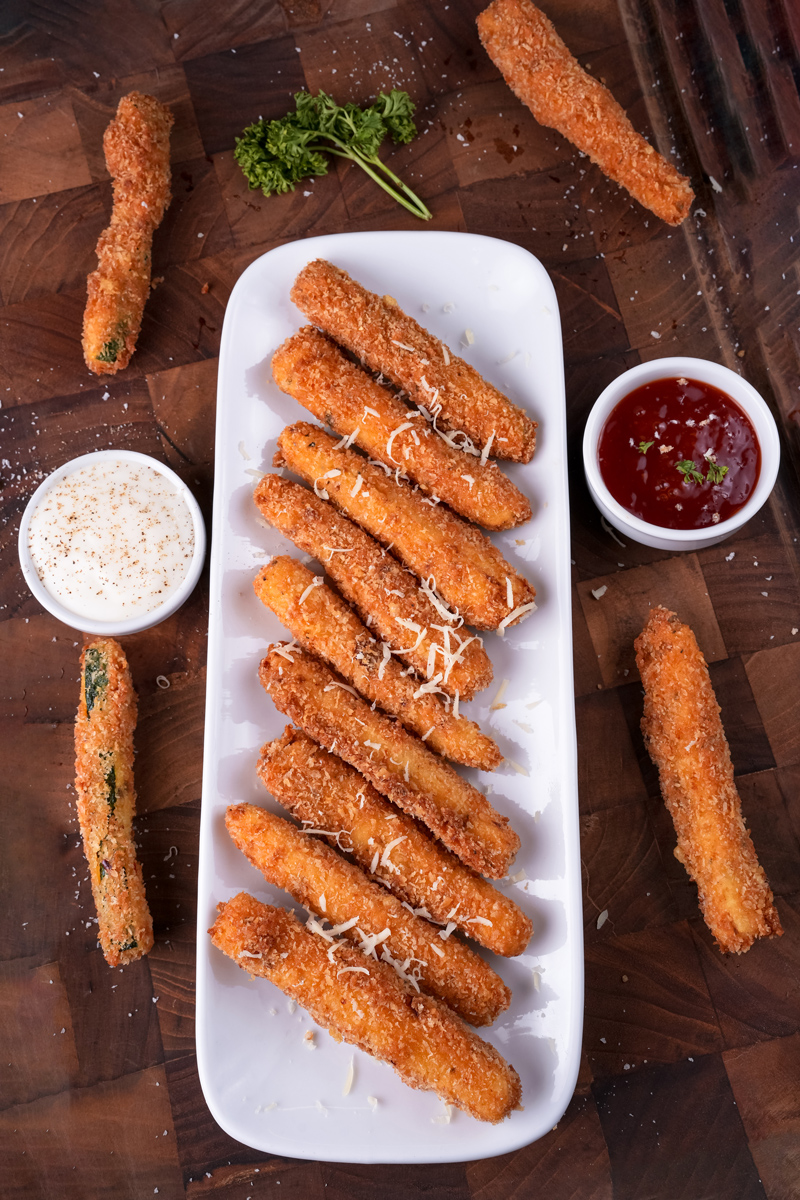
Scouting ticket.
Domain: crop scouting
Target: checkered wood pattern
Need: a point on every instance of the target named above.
(690, 1076)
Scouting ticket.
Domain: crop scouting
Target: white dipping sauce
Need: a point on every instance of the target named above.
(112, 540)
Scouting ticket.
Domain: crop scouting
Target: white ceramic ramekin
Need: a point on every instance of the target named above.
(134, 624)
(707, 372)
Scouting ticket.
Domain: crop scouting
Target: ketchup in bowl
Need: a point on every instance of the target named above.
(679, 453)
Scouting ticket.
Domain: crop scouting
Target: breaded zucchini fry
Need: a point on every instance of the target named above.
(333, 799)
(136, 146)
(388, 340)
(325, 626)
(106, 800)
(454, 558)
(337, 890)
(539, 69)
(397, 764)
(312, 368)
(683, 732)
(388, 597)
(369, 1007)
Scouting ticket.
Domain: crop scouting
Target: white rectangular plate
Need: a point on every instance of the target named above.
(262, 1082)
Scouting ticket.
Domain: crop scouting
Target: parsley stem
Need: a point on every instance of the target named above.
(393, 186)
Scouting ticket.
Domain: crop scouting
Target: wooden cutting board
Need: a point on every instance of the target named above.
(689, 1079)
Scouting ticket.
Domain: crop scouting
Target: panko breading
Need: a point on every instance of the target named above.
(366, 914)
(397, 764)
(333, 800)
(541, 71)
(325, 626)
(312, 368)
(369, 1007)
(377, 330)
(136, 146)
(455, 559)
(106, 801)
(387, 596)
(684, 735)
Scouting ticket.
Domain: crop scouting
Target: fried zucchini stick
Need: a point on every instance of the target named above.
(385, 338)
(136, 146)
(312, 368)
(106, 800)
(539, 69)
(325, 626)
(397, 764)
(332, 799)
(387, 596)
(375, 920)
(454, 559)
(369, 1007)
(684, 735)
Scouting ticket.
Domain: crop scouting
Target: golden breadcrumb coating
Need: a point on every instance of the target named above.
(397, 764)
(683, 732)
(541, 71)
(106, 801)
(312, 368)
(377, 330)
(332, 799)
(325, 626)
(387, 596)
(337, 890)
(136, 146)
(369, 1007)
(454, 558)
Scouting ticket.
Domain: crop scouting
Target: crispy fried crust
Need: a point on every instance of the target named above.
(312, 368)
(385, 338)
(106, 801)
(136, 146)
(330, 886)
(327, 794)
(539, 69)
(386, 595)
(325, 626)
(463, 565)
(397, 764)
(683, 732)
(369, 1007)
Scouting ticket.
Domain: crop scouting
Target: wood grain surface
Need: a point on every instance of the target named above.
(689, 1086)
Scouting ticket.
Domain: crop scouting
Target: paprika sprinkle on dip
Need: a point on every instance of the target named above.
(679, 453)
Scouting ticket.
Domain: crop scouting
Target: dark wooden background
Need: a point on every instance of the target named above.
(689, 1087)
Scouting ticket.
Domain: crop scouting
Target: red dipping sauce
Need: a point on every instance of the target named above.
(679, 453)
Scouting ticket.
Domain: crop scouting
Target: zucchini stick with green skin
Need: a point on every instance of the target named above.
(106, 801)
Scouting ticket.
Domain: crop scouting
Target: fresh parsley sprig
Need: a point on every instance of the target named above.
(690, 473)
(716, 473)
(276, 155)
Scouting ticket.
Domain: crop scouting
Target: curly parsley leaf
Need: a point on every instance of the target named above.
(643, 447)
(716, 472)
(276, 155)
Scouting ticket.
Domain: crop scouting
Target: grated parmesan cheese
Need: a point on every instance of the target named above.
(356, 488)
(349, 970)
(392, 436)
(344, 686)
(349, 1077)
(322, 493)
(315, 583)
(347, 440)
(445, 355)
(486, 449)
(512, 616)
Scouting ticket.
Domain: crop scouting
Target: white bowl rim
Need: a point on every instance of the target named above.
(132, 624)
(707, 371)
